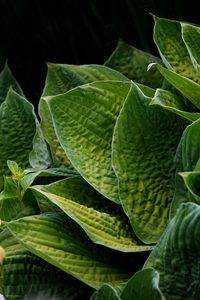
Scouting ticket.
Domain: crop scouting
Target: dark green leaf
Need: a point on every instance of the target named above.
(133, 63)
(62, 77)
(177, 256)
(13, 203)
(7, 80)
(143, 285)
(17, 128)
(187, 160)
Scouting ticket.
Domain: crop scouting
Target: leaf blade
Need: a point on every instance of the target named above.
(17, 128)
(191, 38)
(84, 122)
(133, 63)
(187, 87)
(102, 221)
(174, 104)
(60, 79)
(58, 241)
(177, 253)
(25, 276)
(143, 285)
(140, 165)
(168, 38)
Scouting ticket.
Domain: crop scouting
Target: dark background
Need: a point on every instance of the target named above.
(77, 32)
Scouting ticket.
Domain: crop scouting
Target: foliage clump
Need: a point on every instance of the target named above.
(101, 192)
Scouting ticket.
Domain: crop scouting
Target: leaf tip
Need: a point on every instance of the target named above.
(151, 65)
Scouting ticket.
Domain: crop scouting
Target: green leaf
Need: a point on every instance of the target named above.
(144, 145)
(60, 242)
(60, 79)
(187, 160)
(40, 157)
(58, 155)
(106, 292)
(13, 203)
(177, 257)
(103, 221)
(143, 285)
(168, 38)
(7, 80)
(192, 180)
(133, 63)
(84, 120)
(187, 87)
(190, 147)
(10, 205)
(16, 171)
(175, 104)
(17, 128)
(25, 276)
(191, 37)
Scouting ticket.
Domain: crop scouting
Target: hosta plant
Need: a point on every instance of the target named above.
(100, 193)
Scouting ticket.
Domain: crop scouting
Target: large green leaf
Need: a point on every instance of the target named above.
(103, 221)
(174, 104)
(168, 38)
(133, 63)
(25, 276)
(84, 120)
(144, 144)
(17, 128)
(177, 256)
(187, 87)
(61, 242)
(143, 285)
(60, 79)
(187, 160)
(7, 80)
(191, 37)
